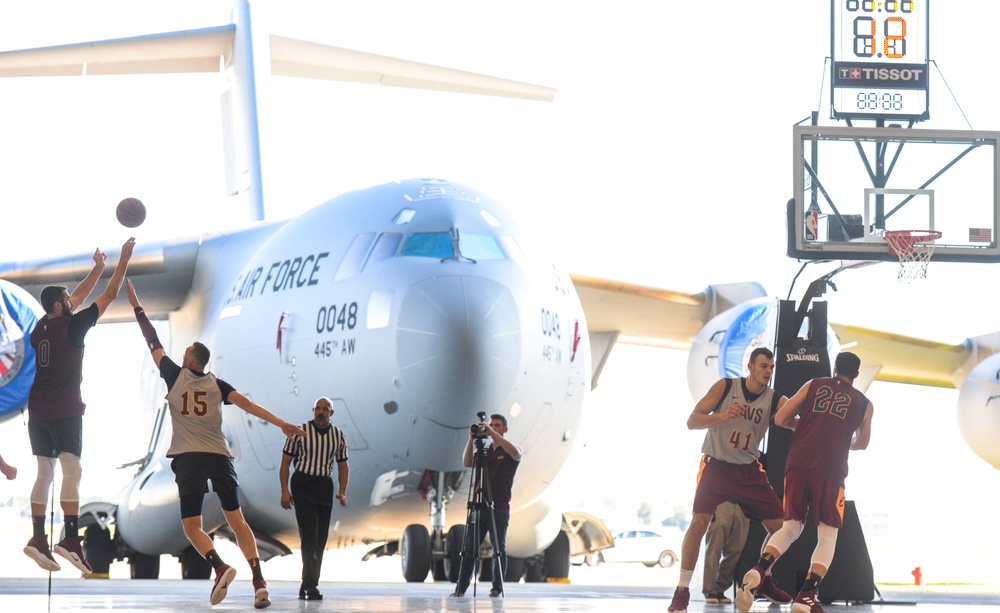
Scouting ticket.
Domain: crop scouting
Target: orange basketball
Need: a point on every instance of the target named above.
(131, 212)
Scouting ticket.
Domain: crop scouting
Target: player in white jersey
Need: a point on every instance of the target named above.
(736, 413)
(200, 452)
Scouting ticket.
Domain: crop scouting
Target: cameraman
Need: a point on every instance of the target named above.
(502, 460)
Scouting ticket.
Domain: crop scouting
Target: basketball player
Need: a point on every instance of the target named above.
(736, 413)
(830, 417)
(201, 454)
(55, 405)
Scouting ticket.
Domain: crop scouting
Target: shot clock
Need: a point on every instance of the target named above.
(880, 65)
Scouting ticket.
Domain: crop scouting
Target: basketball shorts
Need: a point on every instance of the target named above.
(744, 484)
(50, 437)
(193, 471)
(806, 488)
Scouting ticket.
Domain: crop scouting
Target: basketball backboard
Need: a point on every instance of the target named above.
(851, 184)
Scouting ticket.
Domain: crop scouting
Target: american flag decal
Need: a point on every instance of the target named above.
(980, 235)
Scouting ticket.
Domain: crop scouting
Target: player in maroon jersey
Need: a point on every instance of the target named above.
(55, 405)
(830, 418)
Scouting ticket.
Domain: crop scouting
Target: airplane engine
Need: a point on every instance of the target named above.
(722, 348)
(19, 312)
(979, 410)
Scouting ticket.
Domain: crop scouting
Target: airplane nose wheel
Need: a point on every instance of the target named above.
(415, 553)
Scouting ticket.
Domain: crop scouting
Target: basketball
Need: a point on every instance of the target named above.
(131, 212)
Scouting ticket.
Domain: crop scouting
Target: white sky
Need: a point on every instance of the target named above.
(665, 159)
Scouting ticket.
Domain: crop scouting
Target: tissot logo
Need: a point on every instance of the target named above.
(909, 76)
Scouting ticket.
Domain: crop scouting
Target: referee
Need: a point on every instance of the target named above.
(312, 488)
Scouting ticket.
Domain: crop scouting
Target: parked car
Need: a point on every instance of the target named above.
(649, 547)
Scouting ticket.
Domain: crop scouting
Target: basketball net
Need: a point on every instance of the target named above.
(914, 249)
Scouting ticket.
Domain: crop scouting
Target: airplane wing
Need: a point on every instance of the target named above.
(619, 312)
(162, 273)
(907, 359)
(208, 49)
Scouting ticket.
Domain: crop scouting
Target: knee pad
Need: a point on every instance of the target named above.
(40, 491)
(72, 471)
(826, 544)
(783, 539)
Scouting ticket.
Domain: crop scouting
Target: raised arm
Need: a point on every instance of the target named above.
(258, 411)
(86, 286)
(115, 284)
(148, 331)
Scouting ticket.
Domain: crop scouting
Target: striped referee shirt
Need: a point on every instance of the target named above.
(315, 453)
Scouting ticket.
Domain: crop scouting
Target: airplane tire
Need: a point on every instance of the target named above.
(415, 553)
(193, 566)
(535, 572)
(142, 566)
(557, 558)
(667, 559)
(515, 570)
(594, 558)
(98, 549)
(453, 561)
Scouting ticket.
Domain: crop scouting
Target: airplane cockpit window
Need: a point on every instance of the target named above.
(480, 247)
(429, 245)
(385, 247)
(355, 256)
(440, 245)
(404, 217)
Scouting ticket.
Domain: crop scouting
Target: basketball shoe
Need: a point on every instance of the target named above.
(805, 602)
(745, 595)
(38, 550)
(261, 599)
(224, 575)
(71, 548)
(770, 590)
(679, 604)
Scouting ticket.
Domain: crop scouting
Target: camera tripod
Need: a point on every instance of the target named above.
(480, 509)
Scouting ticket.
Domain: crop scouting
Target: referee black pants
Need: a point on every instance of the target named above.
(312, 499)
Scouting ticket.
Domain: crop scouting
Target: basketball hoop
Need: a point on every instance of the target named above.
(914, 249)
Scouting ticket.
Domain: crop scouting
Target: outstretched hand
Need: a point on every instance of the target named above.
(133, 299)
(127, 247)
(292, 430)
(99, 257)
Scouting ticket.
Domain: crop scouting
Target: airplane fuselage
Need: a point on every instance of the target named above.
(412, 305)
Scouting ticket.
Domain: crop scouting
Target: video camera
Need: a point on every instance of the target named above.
(477, 430)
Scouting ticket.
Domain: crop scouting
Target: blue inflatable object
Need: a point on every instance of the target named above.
(19, 312)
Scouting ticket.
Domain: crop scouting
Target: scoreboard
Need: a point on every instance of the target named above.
(880, 64)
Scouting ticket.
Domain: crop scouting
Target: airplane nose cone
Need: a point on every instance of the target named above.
(459, 344)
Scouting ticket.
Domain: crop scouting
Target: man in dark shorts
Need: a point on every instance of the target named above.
(56, 407)
(830, 418)
(201, 454)
(736, 413)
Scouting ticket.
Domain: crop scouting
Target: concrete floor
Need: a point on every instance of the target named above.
(33, 595)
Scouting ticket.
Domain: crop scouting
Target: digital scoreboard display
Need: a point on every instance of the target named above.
(880, 64)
